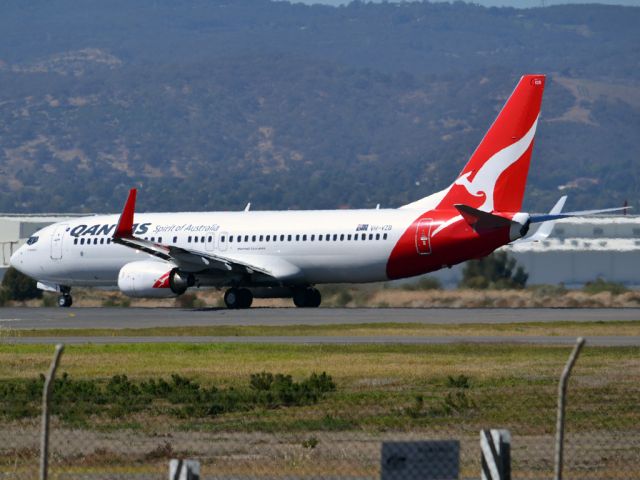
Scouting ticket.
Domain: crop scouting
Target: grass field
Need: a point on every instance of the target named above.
(382, 392)
(631, 328)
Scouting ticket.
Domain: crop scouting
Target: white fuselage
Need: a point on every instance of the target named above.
(323, 246)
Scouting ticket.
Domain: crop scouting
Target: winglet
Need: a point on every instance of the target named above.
(125, 224)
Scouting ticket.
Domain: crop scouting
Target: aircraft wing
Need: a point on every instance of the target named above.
(187, 260)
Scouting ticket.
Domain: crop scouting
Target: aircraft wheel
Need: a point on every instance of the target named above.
(232, 298)
(65, 301)
(245, 298)
(307, 298)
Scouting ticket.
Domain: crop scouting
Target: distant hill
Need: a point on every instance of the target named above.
(211, 104)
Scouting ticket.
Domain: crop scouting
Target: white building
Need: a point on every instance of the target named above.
(578, 250)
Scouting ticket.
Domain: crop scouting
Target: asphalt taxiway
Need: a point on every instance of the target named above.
(118, 318)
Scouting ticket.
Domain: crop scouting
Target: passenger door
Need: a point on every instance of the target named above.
(56, 242)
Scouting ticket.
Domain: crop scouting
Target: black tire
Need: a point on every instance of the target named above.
(232, 298)
(307, 298)
(65, 301)
(246, 298)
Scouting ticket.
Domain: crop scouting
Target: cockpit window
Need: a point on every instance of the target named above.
(32, 240)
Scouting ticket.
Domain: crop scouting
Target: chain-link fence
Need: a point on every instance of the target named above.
(115, 416)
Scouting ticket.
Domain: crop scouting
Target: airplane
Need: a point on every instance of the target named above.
(286, 254)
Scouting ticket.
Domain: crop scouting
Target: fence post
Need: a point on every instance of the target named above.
(46, 394)
(495, 448)
(562, 394)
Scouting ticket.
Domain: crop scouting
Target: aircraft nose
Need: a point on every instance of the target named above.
(16, 258)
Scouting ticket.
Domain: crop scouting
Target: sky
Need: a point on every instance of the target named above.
(502, 3)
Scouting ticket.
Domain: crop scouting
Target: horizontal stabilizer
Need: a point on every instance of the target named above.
(582, 213)
(546, 228)
(481, 221)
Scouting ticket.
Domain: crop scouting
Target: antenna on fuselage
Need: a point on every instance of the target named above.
(248, 207)
(378, 207)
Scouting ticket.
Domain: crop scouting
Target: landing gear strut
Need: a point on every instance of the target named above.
(238, 298)
(307, 297)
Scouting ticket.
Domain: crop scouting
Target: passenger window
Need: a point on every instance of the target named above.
(349, 237)
(159, 239)
(253, 238)
(282, 238)
(230, 238)
(313, 237)
(289, 238)
(371, 236)
(377, 236)
(175, 239)
(195, 239)
(108, 241)
(82, 241)
(384, 236)
(304, 238)
(246, 238)
(221, 238)
(364, 236)
(239, 238)
(327, 237)
(355, 236)
(261, 238)
(268, 238)
(102, 241)
(319, 238)
(75, 241)
(95, 241)
(341, 237)
(297, 238)
(189, 239)
(210, 238)
(202, 239)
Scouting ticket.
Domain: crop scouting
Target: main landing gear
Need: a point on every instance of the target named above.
(238, 298)
(65, 300)
(307, 297)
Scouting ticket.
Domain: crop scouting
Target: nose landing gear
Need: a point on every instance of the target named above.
(65, 300)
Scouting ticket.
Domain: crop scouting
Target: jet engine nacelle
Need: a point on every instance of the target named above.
(147, 279)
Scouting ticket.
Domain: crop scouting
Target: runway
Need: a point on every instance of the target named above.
(16, 320)
(38, 318)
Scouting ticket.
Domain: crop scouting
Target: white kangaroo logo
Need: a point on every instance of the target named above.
(485, 180)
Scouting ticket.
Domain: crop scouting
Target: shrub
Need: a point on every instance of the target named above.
(116, 300)
(600, 285)
(425, 283)
(495, 271)
(189, 300)
(17, 286)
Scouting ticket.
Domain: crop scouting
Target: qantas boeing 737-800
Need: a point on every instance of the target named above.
(287, 253)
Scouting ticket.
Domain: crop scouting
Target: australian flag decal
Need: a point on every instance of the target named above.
(363, 227)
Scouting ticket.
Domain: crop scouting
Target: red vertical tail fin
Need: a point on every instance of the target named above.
(495, 177)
